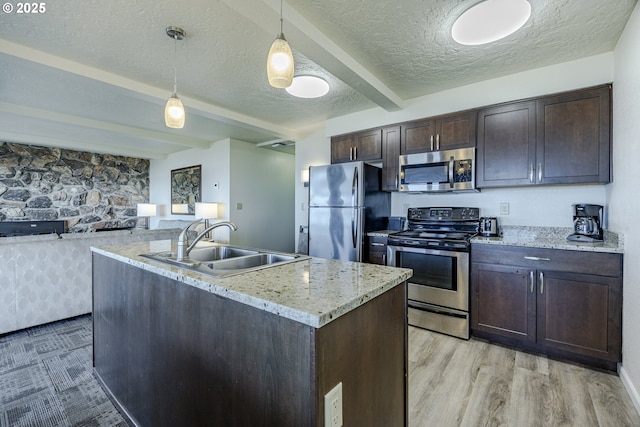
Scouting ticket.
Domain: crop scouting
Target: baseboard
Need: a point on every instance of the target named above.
(631, 389)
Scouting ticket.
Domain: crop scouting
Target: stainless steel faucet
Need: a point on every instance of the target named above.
(183, 241)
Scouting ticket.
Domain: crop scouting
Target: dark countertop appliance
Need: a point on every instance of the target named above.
(29, 228)
(587, 223)
(436, 246)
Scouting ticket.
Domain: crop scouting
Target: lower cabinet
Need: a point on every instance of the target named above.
(377, 249)
(562, 303)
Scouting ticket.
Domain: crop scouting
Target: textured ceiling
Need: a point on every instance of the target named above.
(95, 75)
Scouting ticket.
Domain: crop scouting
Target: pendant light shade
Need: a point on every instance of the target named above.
(174, 114)
(280, 61)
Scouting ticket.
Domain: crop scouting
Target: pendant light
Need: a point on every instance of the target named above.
(174, 110)
(280, 60)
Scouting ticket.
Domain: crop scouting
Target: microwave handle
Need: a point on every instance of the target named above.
(451, 164)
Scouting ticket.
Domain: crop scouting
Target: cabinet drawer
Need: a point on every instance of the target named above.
(596, 263)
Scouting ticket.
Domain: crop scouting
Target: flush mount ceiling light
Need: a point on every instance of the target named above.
(174, 110)
(308, 87)
(490, 20)
(280, 60)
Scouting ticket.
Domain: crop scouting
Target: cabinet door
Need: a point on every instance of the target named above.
(342, 148)
(503, 301)
(456, 131)
(368, 145)
(418, 137)
(377, 250)
(390, 154)
(574, 137)
(506, 145)
(580, 313)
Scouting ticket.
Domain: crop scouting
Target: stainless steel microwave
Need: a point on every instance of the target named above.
(438, 171)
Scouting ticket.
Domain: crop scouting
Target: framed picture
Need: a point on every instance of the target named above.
(186, 190)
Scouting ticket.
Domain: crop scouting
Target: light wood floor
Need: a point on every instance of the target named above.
(453, 382)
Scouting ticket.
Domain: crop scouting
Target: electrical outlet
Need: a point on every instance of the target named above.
(238, 206)
(504, 208)
(333, 407)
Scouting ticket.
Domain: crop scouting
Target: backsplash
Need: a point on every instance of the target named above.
(89, 191)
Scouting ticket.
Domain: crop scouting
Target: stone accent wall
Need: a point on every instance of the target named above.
(90, 191)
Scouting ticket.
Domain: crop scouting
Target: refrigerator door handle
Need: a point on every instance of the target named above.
(355, 183)
(354, 229)
(355, 191)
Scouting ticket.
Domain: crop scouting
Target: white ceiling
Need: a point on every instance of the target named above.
(94, 75)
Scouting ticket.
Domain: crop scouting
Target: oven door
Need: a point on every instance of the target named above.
(439, 277)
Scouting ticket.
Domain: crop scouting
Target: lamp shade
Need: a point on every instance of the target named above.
(147, 209)
(280, 63)
(174, 113)
(206, 210)
(180, 208)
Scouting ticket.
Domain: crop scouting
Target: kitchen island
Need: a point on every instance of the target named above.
(176, 347)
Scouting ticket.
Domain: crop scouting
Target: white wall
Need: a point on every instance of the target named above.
(314, 150)
(262, 181)
(259, 178)
(624, 201)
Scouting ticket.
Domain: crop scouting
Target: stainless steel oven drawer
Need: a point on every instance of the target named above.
(439, 319)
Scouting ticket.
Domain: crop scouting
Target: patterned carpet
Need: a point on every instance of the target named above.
(46, 378)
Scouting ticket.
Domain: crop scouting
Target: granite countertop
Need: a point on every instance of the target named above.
(551, 238)
(80, 236)
(313, 291)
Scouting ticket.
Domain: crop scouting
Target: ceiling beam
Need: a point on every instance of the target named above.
(150, 93)
(66, 119)
(307, 39)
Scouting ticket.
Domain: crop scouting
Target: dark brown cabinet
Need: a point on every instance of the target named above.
(365, 146)
(390, 162)
(557, 139)
(377, 249)
(564, 303)
(439, 133)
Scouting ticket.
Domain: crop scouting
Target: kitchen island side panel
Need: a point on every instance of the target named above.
(171, 354)
(367, 350)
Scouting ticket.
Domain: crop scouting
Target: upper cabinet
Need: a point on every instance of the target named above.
(439, 133)
(390, 162)
(557, 139)
(365, 146)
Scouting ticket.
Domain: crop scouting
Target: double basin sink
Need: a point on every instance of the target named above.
(224, 260)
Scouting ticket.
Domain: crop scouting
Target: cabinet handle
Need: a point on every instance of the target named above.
(541, 283)
(396, 186)
(355, 153)
(437, 141)
(350, 153)
(537, 258)
(377, 244)
(431, 142)
(539, 172)
(384, 259)
(531, 173)
(532, 280)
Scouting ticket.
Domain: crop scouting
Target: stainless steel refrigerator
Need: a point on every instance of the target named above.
(345, 202)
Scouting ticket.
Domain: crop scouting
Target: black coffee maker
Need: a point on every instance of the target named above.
(587, 223)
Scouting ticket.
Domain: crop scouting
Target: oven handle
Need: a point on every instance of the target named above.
(393, 261)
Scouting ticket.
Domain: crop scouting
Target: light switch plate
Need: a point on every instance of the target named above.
(504, 208)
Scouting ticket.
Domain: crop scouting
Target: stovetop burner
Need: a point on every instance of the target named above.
(444, 228)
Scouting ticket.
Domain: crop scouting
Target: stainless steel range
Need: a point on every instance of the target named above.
(436, 247)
